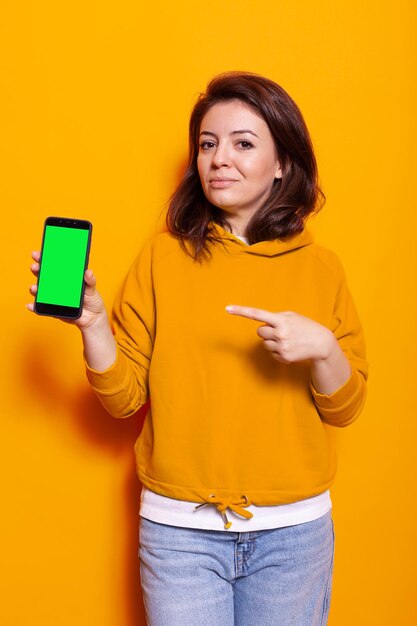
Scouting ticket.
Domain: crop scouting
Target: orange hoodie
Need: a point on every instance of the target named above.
(228, 424)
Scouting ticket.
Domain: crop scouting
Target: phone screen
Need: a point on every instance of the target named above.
(64, 259)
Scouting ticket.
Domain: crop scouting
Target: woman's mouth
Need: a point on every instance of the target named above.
(221, 183)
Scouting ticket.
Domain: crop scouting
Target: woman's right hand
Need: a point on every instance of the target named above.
(93, 308)
(99, 343)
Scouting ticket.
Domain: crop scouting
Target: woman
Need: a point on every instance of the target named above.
(234, 456)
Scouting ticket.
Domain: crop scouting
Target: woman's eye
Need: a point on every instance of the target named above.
(206, 145)
(245, 144)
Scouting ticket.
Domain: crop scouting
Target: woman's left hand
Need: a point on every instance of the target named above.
(290, 337)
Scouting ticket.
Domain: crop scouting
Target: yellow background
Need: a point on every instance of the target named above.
(94, 103)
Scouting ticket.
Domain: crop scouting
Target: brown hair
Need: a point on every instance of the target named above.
(293, 197)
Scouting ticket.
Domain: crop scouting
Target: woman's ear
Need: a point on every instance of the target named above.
(278, 172)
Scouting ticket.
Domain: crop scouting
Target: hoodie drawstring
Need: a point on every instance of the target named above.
(222, 504)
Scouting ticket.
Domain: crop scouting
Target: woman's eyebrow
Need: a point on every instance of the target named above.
(234, 132)
(240, 132)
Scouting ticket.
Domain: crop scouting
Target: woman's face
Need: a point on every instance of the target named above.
(237, 161)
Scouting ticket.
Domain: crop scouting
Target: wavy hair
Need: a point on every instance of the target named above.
(293, 197)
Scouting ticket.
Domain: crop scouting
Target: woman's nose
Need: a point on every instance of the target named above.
(221, 156)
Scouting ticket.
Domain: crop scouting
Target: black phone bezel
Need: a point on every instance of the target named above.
(57, 310)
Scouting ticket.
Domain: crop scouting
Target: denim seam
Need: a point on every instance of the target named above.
(327, 595)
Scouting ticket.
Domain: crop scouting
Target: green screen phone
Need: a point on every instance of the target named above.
(64, 259)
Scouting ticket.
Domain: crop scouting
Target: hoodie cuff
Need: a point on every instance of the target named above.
(342, 397)
(110, 380)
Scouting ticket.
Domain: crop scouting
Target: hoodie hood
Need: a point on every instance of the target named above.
(273, 247)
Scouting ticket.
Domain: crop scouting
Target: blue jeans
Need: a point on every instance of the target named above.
(279, 577)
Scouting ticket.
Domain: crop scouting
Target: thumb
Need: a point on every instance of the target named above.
(90, 279)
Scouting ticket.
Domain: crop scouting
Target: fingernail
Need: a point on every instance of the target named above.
(230, 308)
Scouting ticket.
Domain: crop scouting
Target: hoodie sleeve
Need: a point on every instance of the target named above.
(344, 405)
(123, 387)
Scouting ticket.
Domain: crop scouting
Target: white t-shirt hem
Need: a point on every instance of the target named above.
(172, 512)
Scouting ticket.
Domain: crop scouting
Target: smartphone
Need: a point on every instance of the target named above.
(64, 259)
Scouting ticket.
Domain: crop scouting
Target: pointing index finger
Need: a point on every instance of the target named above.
(251, 313)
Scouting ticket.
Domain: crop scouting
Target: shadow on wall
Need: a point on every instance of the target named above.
(48, 383)
(118, 437)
